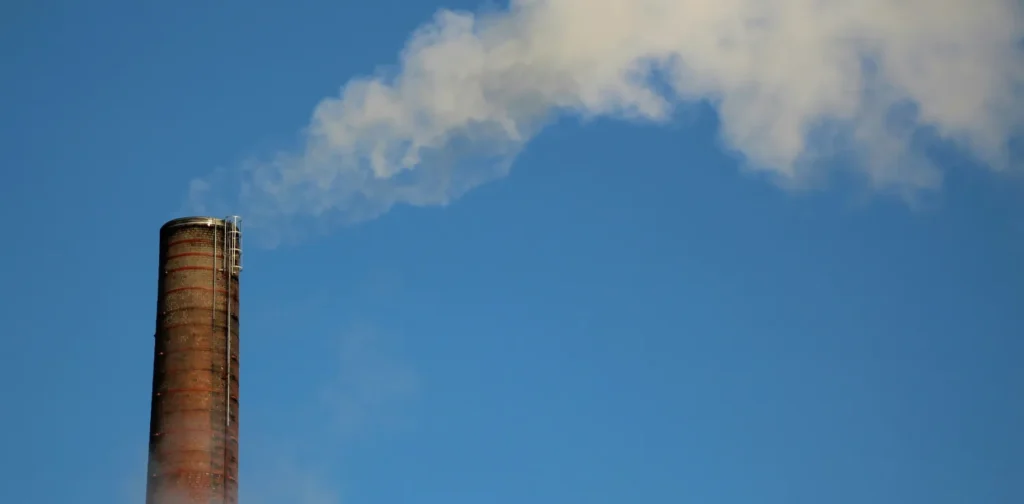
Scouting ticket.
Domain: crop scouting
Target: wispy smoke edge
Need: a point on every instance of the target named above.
(797, 84)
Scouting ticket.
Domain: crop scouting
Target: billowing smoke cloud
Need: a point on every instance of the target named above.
(796, 83)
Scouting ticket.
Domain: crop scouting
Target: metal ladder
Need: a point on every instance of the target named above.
(231, 244)
(233, 265)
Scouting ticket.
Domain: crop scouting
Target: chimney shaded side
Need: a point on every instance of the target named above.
(193, 439)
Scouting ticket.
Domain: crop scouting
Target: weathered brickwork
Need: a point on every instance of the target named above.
(193, 446)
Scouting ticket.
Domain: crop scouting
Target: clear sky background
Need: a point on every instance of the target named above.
(627, 318)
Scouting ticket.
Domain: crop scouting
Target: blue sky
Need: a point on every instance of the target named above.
(627, 317)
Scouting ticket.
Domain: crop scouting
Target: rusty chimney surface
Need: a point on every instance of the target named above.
(193, 439)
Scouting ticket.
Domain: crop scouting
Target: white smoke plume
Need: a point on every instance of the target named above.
(796, 83)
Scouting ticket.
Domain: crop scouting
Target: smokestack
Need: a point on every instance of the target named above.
(193, 439)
